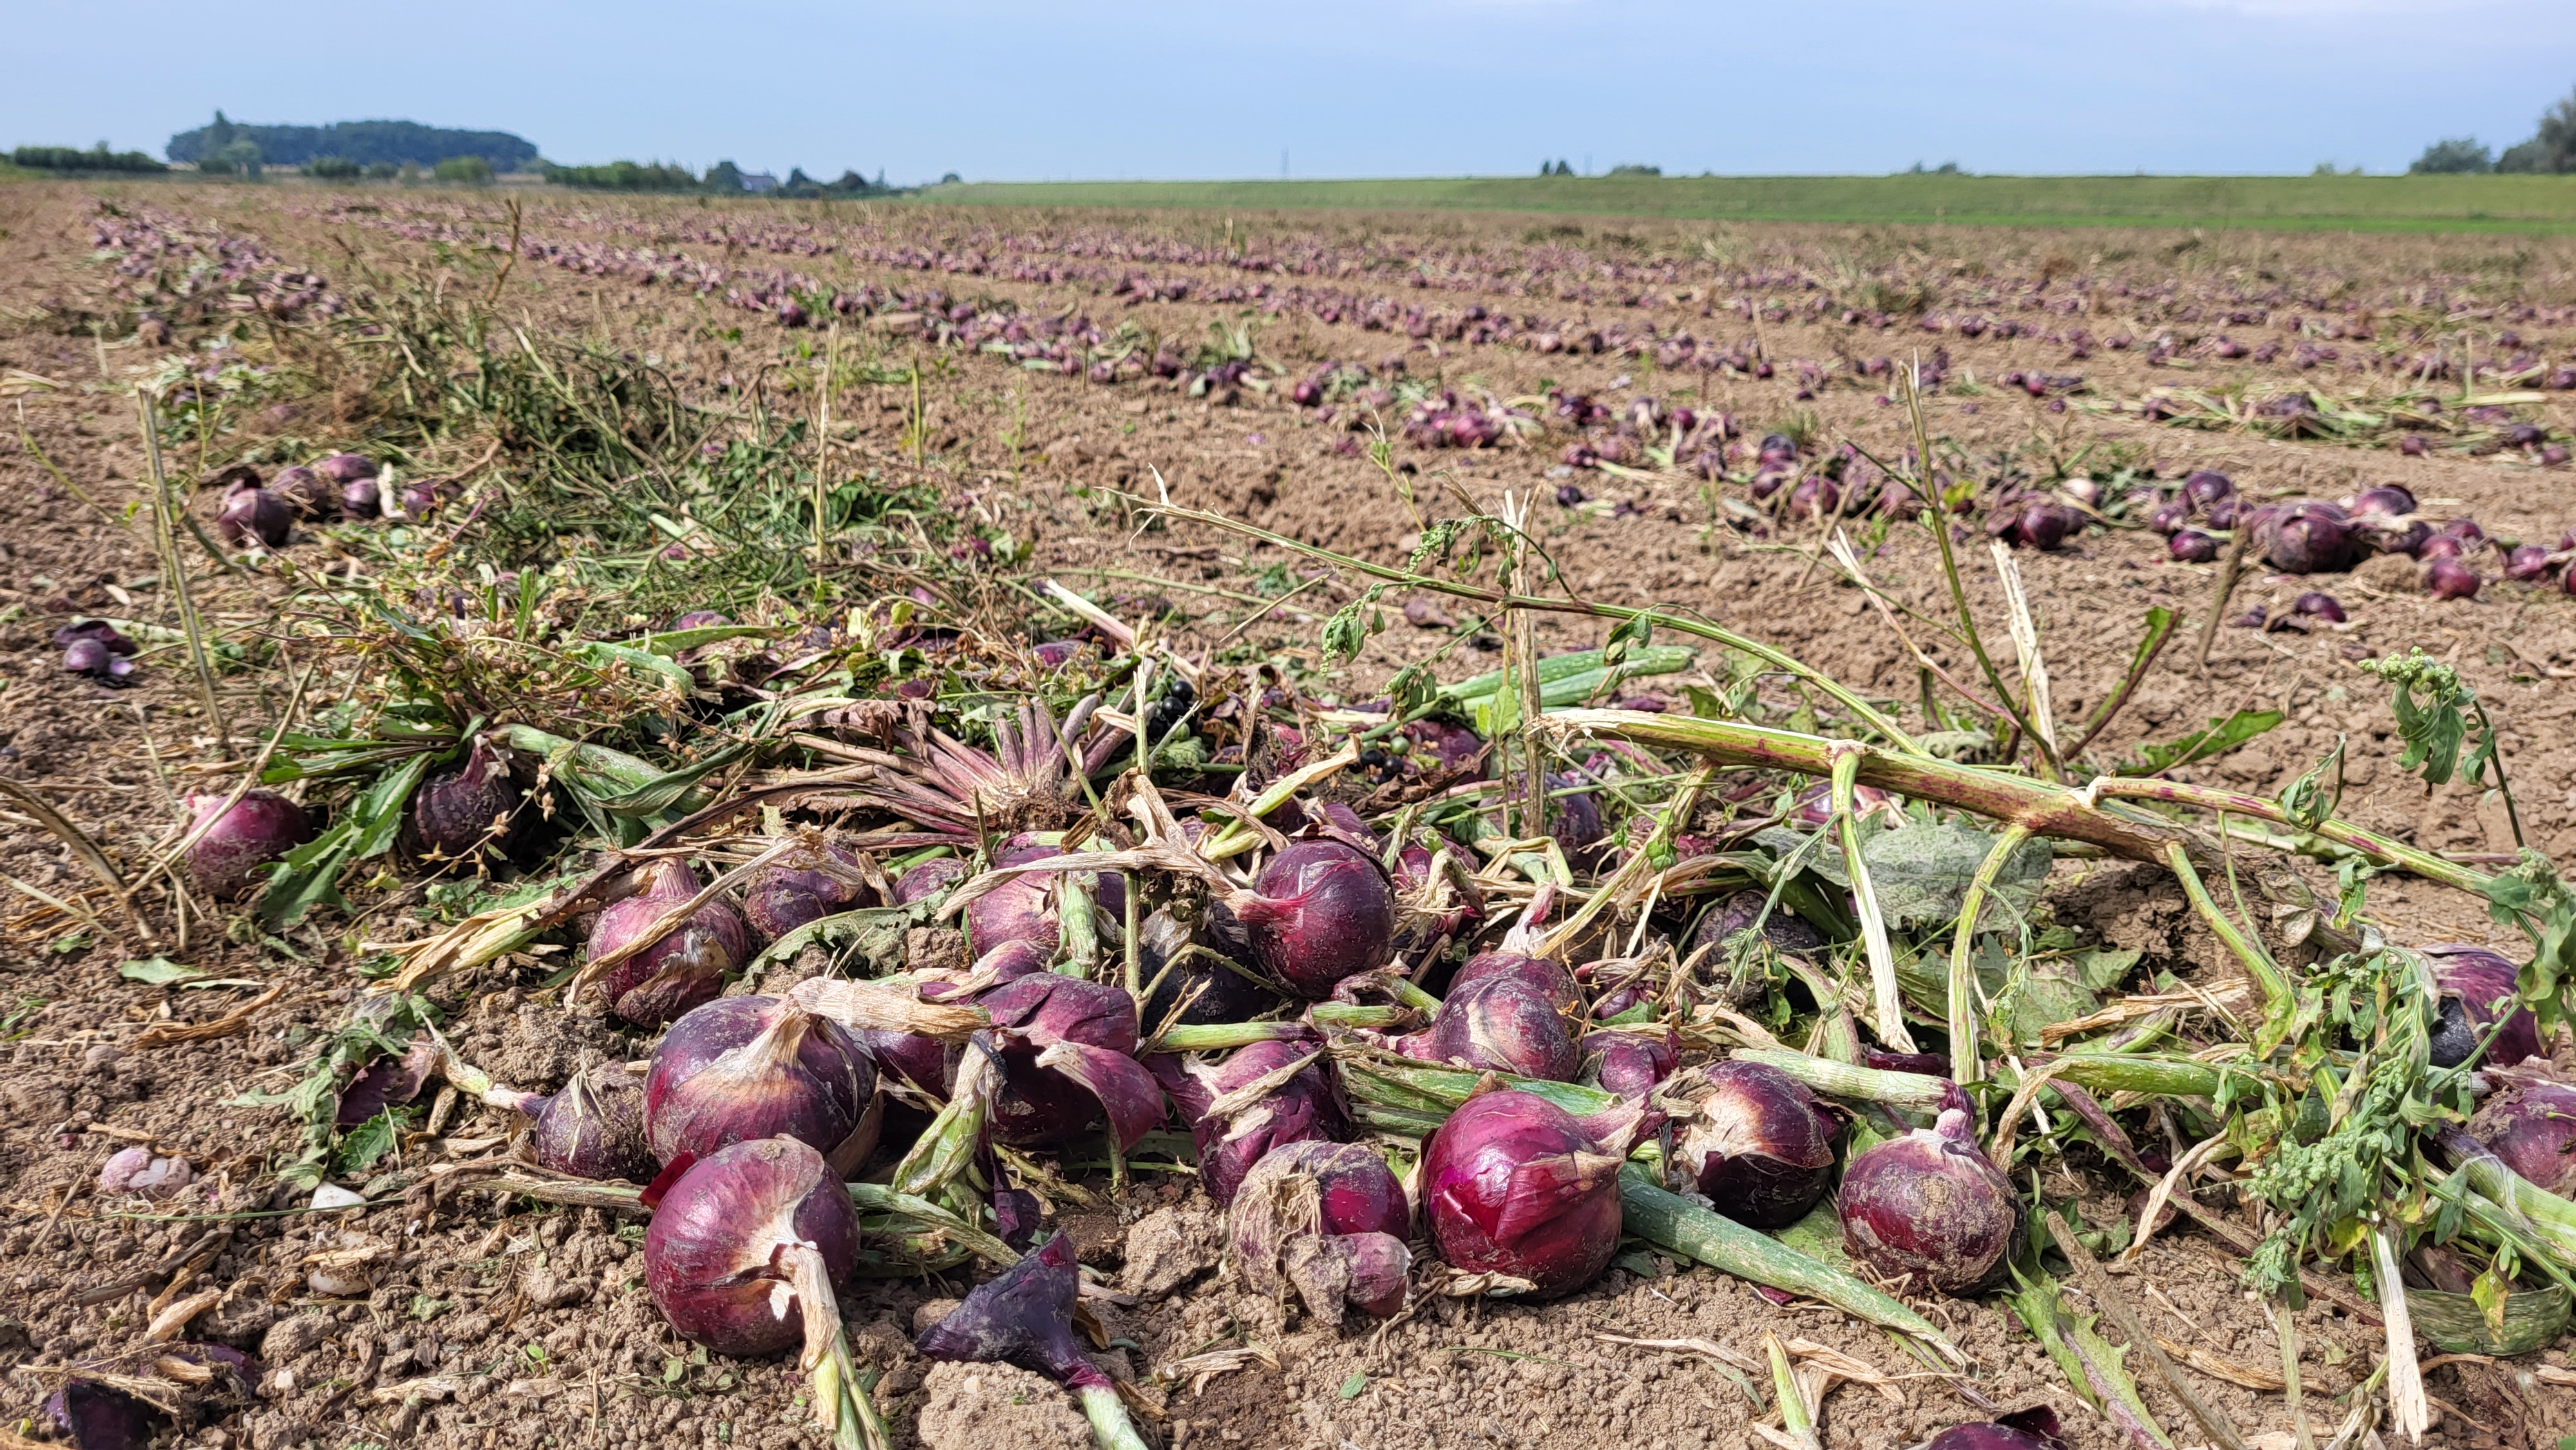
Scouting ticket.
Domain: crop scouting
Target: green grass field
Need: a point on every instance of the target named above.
(2302, 203)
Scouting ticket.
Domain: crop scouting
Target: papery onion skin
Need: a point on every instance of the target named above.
(1306, 1108)
(711, 1253)
(1631, 1064)
(259, 828)
(928, 879)
(1785, 932)
(744, 1068)
(2530, 1123)
(1499, 1023)
(1039, 1106)
(1023, 1316)
(594, 1129)
(308, 493)
(1327, 1218)
(1757, 1145)
(1549, 977)
(1514, 1185)
(789, 892)
(476, 804)
(1320, 912)
(1022, 908)
(1928, 1205)
(683, 970)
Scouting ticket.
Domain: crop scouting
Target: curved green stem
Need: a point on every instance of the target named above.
(1965, 1063)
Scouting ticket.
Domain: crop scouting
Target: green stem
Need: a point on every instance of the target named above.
(1965, 1064)
(1887, 1003)
(1496, 599)
(2279, 998)
(1108, 1416)
(878, 1198)
(1674, 1222)
(1908, 1090)
(1221, 1036)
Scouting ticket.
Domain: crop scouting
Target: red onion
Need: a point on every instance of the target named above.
(745, 1252)
(2473, 979)
(1929, 1205)
(1024, 1316)
(797, 888)
(2310, 538)
(2168, 517)
(1318, 912)
(1786, 933)
(93, 658)
(686, 967)
(2191, 546)
(2387, 501)
(593, 1129)
(2033, 1429)
(1757, 1145)
(1550, 979)
(1499, 1023)
(1066, 1049)
(458, 813)
(2529, 564)
(311, 495)
(2207, 487)
(1252, 1103)
(1200, 990)
(742, 1068)
(1631, 1064)
(1022, 908)
(261, 827)
(1328, 1219)
(2316, 605)
(928, 879)
(2447, 578)
(1515, 1186)
(346, 467)
(254, 515)
(2530, 1123)
(139, 1170)
(360, 500)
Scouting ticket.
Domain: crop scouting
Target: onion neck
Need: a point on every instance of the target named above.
(1108, 1416)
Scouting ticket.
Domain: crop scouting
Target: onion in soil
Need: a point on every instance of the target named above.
(1318, 912)
(1066, 1048)
(1757, 1145)
(748, 1249)
(798, 888)
(1515, 1186)
(745, 1068)
(1330, 1221)
(1498, 1024)
(1022, 908)
(459, 812)
(1257, 1100)
(683, 969)
(1930, 1207)
(250, 516)
(259, 828)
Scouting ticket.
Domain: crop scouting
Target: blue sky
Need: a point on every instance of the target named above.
(1009, 90)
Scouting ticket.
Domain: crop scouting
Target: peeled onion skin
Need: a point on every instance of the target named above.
(1514, 1185)
(1328, 1219)
(1757, 1145)
(1318, 912)
(259, 828)
(684, 969)
(745, 1068)
(1024, 1315)
(731, 1240)
(1928, 1205)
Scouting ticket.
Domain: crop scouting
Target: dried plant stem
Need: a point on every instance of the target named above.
(1887, 999)
(2227, 571)
(1524, 666)
(175, 570)
(2286, 1326)
(2098, 1285)
(81, 846)
(2025, 638)
(2406, 1403)
(1966, 1064)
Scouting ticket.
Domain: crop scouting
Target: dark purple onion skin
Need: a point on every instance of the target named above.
(1355, 1191)
(2191, 546)
(681, 971)
(928, 879)
(2316, 605)
(2307, 539)
(745, 1068)
(255, 516)
(1022, 908)
(1786, 933)
(1202, 991)
(93, 1416)
(2528, 564)
(1631, 1064)
(1320, 911)
(1499, 1024)
(1930, 1206)
(310, 494)
(786, 894)
(2472, 979)
(2530, 1123)
(712, 1251)
(346, 467)
(2036, 1428)
(261, 827)
(1343, 1200)
(360, 500)
(2388, 501)
(2207, 487)
(1036, 1106)
(1513, 1184)
(1758, 1145)
(1022, 1316)
(1306, 1108)
(594, 1130)
(477, 803)
(2447, 578)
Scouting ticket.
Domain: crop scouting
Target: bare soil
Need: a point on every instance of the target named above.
(489, 1323)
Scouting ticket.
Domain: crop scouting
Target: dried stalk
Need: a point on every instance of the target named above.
(166, 541)
(84, 848)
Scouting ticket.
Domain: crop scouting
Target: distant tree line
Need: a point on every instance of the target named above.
(67, 158)
(230, 146)
(2551, 149)
(722, 179)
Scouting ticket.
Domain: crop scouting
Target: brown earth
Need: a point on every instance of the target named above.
(488, 1324)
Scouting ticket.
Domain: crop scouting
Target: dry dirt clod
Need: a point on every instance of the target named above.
(988, 1406)
(1169, 1247)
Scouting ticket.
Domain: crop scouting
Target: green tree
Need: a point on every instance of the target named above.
(2553, 149)
(463, 171)
(724, 177)
(2453, 155)
(383, 171)
(333, 168)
